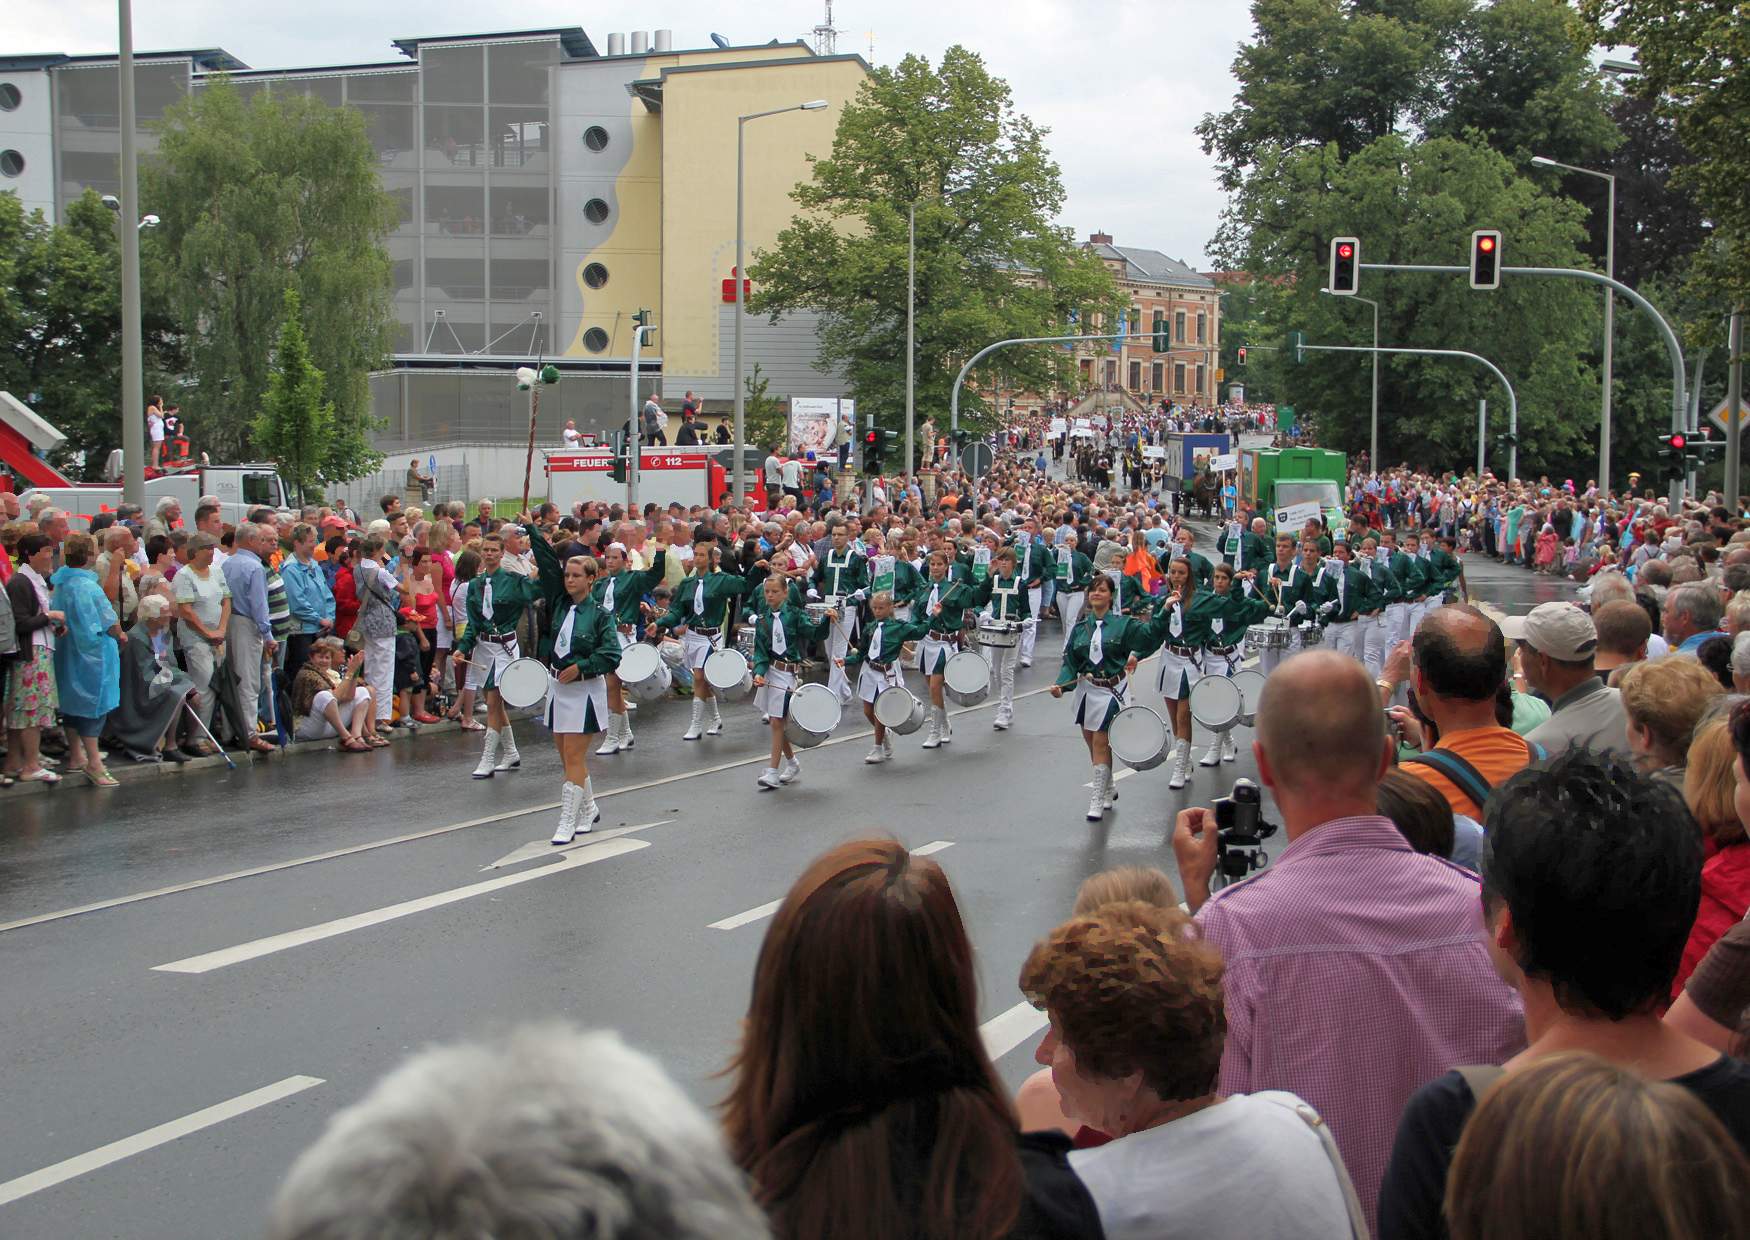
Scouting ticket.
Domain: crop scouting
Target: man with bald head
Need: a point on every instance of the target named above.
(1356, 968)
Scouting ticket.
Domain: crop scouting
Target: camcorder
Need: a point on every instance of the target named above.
(1240, 832)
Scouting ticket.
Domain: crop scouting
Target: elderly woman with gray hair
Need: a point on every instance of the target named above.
(153, 688)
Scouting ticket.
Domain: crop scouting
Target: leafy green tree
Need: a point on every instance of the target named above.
(762, 414)
(261, 195)
(60, 324)
(989, 264)
(295, 421)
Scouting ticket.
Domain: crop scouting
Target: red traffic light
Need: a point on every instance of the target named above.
(1345, 250)
(1485, 244)
(870, 436)
(1679, 441)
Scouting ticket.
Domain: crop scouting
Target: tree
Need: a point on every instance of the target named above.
(294, 421)
(1692, 55)
(762, 415)
(60, 325)
(279, 191)
(989, 264)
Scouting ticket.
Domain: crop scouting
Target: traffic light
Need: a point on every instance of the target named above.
(872, 443)
(1485, 259)
(1161, 343)
(617, 462)
(1345, 265)
(1242, 355)
(1673, 449)
(1294, 346)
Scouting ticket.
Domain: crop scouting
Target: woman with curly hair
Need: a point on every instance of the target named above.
(1135, 1045)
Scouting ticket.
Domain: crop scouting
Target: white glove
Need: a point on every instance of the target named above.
(1299, 608)
(1326, 609)
(813, 595)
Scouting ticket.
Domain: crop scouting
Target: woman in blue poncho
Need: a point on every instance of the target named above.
(87, 658)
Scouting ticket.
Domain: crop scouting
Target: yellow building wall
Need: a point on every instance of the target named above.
(699, 114)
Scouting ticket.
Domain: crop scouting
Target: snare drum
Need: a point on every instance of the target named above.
(966, 678)
(1269, 634)
(899, 710)
(1216, 703)
(1138, 737)
(999, 633)
(817, 611)
(1311, 635)
(729, 674)
(643, 672)
(523, 683)
(1251, 686)
(814, 713)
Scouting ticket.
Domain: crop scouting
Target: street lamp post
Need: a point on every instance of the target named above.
(738, 484)
(911, 298)
(1373, 420)
(133, 381)
(1609, 306)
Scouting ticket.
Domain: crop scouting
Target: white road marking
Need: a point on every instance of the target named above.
(1004, 1032)
(541, 808)
(546, 848)
(151, 1138)
(226, 957)
(766, 910)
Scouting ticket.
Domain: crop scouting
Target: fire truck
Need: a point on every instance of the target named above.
(686, 476)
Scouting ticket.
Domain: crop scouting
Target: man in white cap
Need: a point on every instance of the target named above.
(1557, 642)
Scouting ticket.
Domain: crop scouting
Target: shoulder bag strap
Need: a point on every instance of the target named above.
(1464, 776)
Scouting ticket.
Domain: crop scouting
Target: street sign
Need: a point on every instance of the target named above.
(1718, 415)
(976, 459)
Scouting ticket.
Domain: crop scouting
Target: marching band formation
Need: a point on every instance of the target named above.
(965, 615)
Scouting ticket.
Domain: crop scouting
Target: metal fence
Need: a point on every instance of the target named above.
(364, 494)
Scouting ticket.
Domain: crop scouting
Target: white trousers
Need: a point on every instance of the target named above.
(1030, 627)
(1070, 607)
(1341, 636)
(838, 642)
(315, 726)
(243, 647)
(380, 672)
(1397, 624)
(1003, 662)
(1372, 642)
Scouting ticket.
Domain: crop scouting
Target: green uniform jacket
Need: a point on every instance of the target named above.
(1256, 550)
(1194, 630)
(1123, 636)
(1202, 571)
(1443, 569)
(894, 635)
(720, 587)
(595, 646)
(757, 606)
(905, 580)
(1080, 575)
(1359, 595)
(1238, 610)
(1411, 576)
(630, 587)
(1385, 583)
(800, 628)
(1133, 597)
(1296, 587)
(955, 597)
(1032, 561)
(1004, 604)
(840, 572)
(511, 593)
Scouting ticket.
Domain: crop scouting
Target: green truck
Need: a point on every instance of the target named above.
(1279, 484)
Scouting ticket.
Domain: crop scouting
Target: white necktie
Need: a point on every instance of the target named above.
(875, 641)
(778, 645)
(699, 598)
(1097, 645)
(562, 639)
(486, 600)
(608, 595)
(1177, 628)
(935, 598)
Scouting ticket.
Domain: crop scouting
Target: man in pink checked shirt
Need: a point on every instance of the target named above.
(1356, 967)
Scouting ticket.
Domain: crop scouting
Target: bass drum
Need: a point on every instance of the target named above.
(643, 672)
(966, 678)
(1215, 703)
(729, 674)
(1139, 738)
(1251, 686)
(523, 683)
(814, 713)
(899, 710)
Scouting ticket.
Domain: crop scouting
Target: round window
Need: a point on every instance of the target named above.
(595, 210)
(595, 138)
(595, 275)
(11, 164)
(9, 97)
(595, 340)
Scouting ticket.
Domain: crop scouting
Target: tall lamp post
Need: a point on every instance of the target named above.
(1373, 420)
(1609, 178)
(133, 381)
(738, 485)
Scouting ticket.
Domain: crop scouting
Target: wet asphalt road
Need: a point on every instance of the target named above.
(102, 1043)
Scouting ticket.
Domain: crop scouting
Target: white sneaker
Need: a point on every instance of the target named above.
(790, 772)
(770, 779)
(875, 755)
(765, 718)
(631, 705)
(1005, 717)
(1026, 662)
(887, 744)
(696, 728)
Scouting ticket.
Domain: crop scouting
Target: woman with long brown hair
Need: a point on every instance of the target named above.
(864, 1104)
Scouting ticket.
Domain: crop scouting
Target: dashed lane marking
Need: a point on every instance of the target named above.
(764, 911)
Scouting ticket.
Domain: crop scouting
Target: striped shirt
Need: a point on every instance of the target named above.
(1356, 971)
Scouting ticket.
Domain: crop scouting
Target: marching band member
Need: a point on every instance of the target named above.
(1288, 590)
(757, 610)
(580, 648)
(783, 632)
(1349, 593)
(1241, 545)
(1407, 570)
(1185, 547)
(1186, 611)
(1440, 557)
(698, 615)
(1377, 624)
(1006, 596)
(1030, 565)
(941, 604)
(1103, 651)
(842, 576)
(1225, 632)
(1073, 571)
(876, 657)
(620, 591)
(495, 601)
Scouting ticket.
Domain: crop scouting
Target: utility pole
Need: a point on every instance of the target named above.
(1734, 401)
(133, 382)
(634, 429)
(1482, 434)
(911, 298)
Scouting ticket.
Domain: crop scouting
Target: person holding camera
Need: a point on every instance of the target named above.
(1355, 970)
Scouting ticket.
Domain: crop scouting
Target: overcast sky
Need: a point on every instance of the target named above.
(1120, 83)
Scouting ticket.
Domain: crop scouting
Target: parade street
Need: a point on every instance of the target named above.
(201, 970)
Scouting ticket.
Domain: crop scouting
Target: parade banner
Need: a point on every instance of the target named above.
(1293, 518)
(1230, 461)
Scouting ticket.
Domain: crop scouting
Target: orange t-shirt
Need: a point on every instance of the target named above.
(1497, 753)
